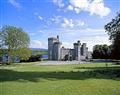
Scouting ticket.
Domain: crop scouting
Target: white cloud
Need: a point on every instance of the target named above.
(91, 36)
(70, 23)
(94, 40)
(67, 23)
(67, 44)
(38, 44)
(82, 4)
(40, 31)
(63, 22)
(99, 8)
(56, 19)
(77, 10)
(80, 23)
(40, 17)
(58, 3)
(91, 41)
(70, 7)
(15, 4)
(96, 7)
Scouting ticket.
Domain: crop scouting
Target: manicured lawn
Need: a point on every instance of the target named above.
(81, 79)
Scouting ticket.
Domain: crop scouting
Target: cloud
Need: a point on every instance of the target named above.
(67, 45)
(94, 40)
(70, 7)
(56, 19)
(91, 36)
(67, 23)
(58, 3)
(91, 41)
(40, 31)
(15, 4)
(38, 44)
(96, 7)
(70, 23)
(64, 22)
(40, 17)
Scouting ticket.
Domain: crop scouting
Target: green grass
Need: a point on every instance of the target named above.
(81, 79)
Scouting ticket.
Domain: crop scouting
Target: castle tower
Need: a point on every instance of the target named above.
(77, 51)
(57, 51)
(51, 42)
(84, 49)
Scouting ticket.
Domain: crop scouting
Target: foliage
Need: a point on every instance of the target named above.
(33, 58)
(101, 52)
(113, 30)
(15, 41)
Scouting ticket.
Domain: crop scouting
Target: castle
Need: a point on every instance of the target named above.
(56, 52)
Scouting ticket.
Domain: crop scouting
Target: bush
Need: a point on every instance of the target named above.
(33, 58)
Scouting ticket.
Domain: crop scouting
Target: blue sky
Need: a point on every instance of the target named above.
(72, 20)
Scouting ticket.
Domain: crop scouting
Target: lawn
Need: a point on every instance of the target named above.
(79, 79)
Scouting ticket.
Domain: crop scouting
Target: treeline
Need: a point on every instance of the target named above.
(4, 56)
(113, 30)
(102, 52)
(112, 51)
(33, 58)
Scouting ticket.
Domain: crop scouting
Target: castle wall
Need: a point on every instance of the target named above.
(67, 54)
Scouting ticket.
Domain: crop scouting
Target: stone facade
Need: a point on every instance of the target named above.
(56, 52)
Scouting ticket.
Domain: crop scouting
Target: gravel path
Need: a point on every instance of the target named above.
(61, 62)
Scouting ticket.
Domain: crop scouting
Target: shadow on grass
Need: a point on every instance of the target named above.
(112, 73)
(99, 68)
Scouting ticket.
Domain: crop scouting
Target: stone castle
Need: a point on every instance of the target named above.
(58, 53)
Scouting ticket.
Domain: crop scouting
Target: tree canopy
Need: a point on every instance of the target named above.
(15, 41)
(101, 52)
(113, 30)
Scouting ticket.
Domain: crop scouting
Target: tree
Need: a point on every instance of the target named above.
(113, 30)
(15, 41)
(101, 52)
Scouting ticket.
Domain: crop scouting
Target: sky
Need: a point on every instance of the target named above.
(72, 20)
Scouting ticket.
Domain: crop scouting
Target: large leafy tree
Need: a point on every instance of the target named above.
(101, 52)
(15, 42)
(113, 30)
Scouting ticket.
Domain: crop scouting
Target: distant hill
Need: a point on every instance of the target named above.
(38, 49)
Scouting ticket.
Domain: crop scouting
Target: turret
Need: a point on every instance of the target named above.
(51, 42)
(77, 50)
(58, 37)
(84, 49)
(57, 50)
